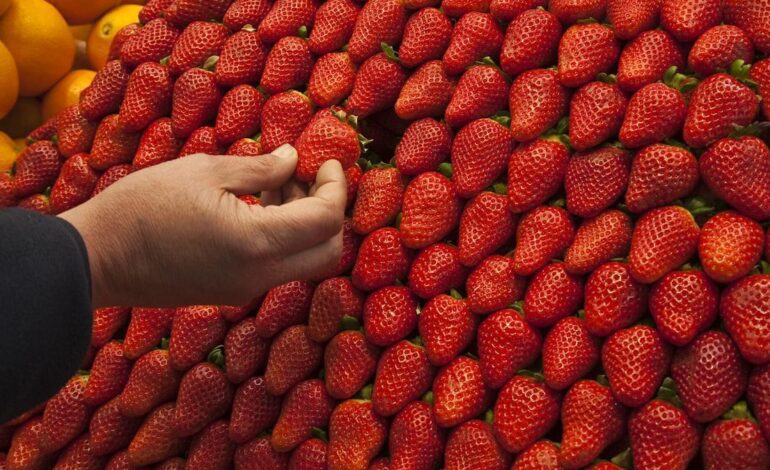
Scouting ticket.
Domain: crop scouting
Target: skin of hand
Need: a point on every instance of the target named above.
(176, 234)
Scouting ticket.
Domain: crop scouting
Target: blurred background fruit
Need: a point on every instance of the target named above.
(4, 4)
(9, 77)
(80, 32)
(78, 12)
(25, 116)
(66, 92)
(104, 31)
(8, 152)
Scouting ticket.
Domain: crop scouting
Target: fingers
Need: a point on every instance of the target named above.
(313, 262)
(291, 191)
(248, 175)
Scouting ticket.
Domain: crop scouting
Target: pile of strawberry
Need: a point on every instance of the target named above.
(552, 256)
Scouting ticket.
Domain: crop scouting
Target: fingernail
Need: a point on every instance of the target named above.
(285, 151)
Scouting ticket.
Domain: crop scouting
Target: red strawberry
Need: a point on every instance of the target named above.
(542, 455)
(38, 202)
(591, 420)
(242, 58)
(459, 392)
(258, 454)
(254, 410)
(109, 430)
(332, 78)
(687, 21)
(426, 93)
(598, 240)
(182, 12)
(333, 300)
(45, 131)
(730, 245)
(475, 36)
(431, 210)
(306, 406)
(636, 361)
(106, 322)
(75, 184)
(74, 133)
(613, 299)
(506, 343)
(153, 9)
(735, 441)
(110, 176)
(759, 399)
(660, 174)
(569, 353)
(199, 41)
(151, 43)
(204, 395)
(246, 147)
(145, 330)
(283, 306)
(157, 145)
(196, 98)
(211, 448)
(552, 294)
(376, 86)
(531, 41)
(121, 37)
(479, 155)
(239, 114)
(481, 92)
(112, 144)
(458, 8)
(288, 65)
(425, 144)
(66, 415)
(649, 424)
(327, 138)
(119, 461)
(485, 225)
(596, 114)
(655, 113)
(507, 10)
(109, 374)
(572, 11)
(284, 116)
(596, 180)
(36, 168)
(78, 456)
(7, 192)
(349, 363)
(148, 97)
(285, 18)
(293, 357)
(380, 21)
(760, 73)
(435, 270)
(447, 326)
(472, 445)
(382, 259)
(426, 37)
(586, 50)
(525, 410)
(745, 308)
(356, 435)
(646, 59)
(718, 48)
(537, 102)
(152, 382)
(242, 13)
(738, 171)
(683, 305)
(245, 351)
(390, 315)
(751, 17)
(535, 173)
(25, 451)
(493, 285)
(415, 440)
(543, 234)
(404, 373)
(195, 331)
(630, 19)
(156, 440)
(334, 22)
(310, 455)
(379, 199)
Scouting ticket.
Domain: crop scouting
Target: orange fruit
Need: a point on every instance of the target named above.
(40, 42)
(104, 31)
(9, 77)
(78, 12)
(8, 152)
(20, 145)
(81, 32)
(66, 92)
(4, 4)
(23, 118)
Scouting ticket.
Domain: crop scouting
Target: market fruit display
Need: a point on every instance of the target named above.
(556, 252)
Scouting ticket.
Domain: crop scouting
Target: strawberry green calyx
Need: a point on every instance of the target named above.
(302, 32)
(366, 392)
(390, 53)
(608, 78)
(164, 343)
(349, 323)
(519, 307)
(676, 143)
(211, 63)
(698, 206)
(739, 411)
(489, 417)
(740, 70)
(445, 169)
(164, 61)
(537, 376)
(248, 28)
(217, 356)
(500, 188)
(667, 392)
(679, 81)
(558, 203)
(319, 433)
(455, 294)
(428, 397)
(417, 341)
(502, 118)
(602, 379)
(755, 129)
(623, 459)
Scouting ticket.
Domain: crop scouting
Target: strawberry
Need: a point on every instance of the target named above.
(25, 451)
(106, 322)
(75, 133)
(426, 37)
(74, 185)
(146, 328)
(735, 441)
(543, 234)
(66, 415)
(285, 18)
(245, 351)
(475, 36)
(537, 102)
(591, 420)
(382, 259)
(310, 455)
(613, 299)
(710, 376)
(37, 202)
(415, 440)
(119, 461)
(552, 294)
(204, 395)
(730, 245)
(485, 225)
(569, 353)
(45, 131)
(258, 454)
(36, 168)
(630, 18)
(148, 97)
(493, 285)
(525, 410)
(379, 21)
(506, 343)
(718, 48)
(586, 50)
(293, 357)
(473, 445)
(156, 440)
(245, 147)
(211, 448)
(195, 101)
(636, 361)
(333, 300)
(332, 78)
(199, 41)
(572, 11)
(506, 11)
(597, 241)
(403, 374)
(283, 306)
(650, 449)
(356, 435)
(195, 331)
(112, 144)
(326, 138)
(435, 270)
(683, 305)
(153, 9)
(425, 144)
(596, 114)
(660, 174)
(751, 17)
(239, 114)
(687, 21)
(481, 91)
(7, 192)
(738, 172)
(242, 13)
(109, 374)
(284, 116)
(447, 326)
(151, 43)
(535, 172)
(479, 155)
(183, 12)
(458, 8)
(646, 58)
(306, 406)
(288, 65)
(157, 145)
(718, 104)
(760, 73)
(242, 58)
(110, 176)
(656, 112)
(596, 180)
(109, 430)
(152, 382)
(254, 410)
(349, 363)
(78, 456)
(390, 315)
(759, 381)
(459, 392)
(744, 308)
(430, 210)
(426, 93)
(105, 93)
(334, 22)
(376, 86)
(663, 239)
(542, 455)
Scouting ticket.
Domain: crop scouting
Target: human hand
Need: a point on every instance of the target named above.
(177, 234)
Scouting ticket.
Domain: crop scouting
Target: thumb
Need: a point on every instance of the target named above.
(248, 175)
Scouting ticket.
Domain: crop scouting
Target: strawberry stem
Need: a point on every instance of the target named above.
(667, 392)
(679, 81)
(500, 188)
(211, 63)
(755, 129)
(608, 78)
(302, 32)
(455, 294)
(623, 459)
(532, 375)
(445, 169)
(502, 118)
(319, 433)
(366, 392)
(164, 343)
(739, 411)
(217, 356)
(428, 397)
(348, 322)
(390, 53)
(489, 417)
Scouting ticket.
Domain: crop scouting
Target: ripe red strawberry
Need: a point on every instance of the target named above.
(239, 114)
(404, 373)
(425, 144)
(379, 199)
(258, 454)
(744, 308)
(542, 455)
(152, 382)
(153, 9)
(481, 91)
(199, 41)
(25, 451)
(475, 36)
(636, 361)
(473, 445)
(537, 102)
(310, 455)
(327, 138)
(683, 305)
(283, 306)
(751, 17)
(569, 353)
(738, 171)
(390, 315)
(535, 173)
(572, 11)
(109, 430)
(242, 13)
(459, 392)
(106, 322)
(506, 343)
(660, 174)
(646, 59)
(543, 234)
(37, 202)
(78, 456)
(458, 8)
(293, 357)
(525, 410)
(110, 176)
(735, 441)
(332, 78)
(145, 330)
(718, 48)
(36, 168)
(379, 21)
(485, 225)
(655, 113)
(306, 406)
(333, 300)
(596, 180)
(66, 415)
(211, 448)
(591, 420)
(415, 440)
(596, 114)
(108, 376)
(112, 144)
(551, 295)
(7, 192)
(334, 22)
(630, 19)
(376, 86)
(759, 399)
(447, 326)
(245, 351)
(183, 12)
(45, 131)
(148, 97)
(718, 104)
(382, 259)
(285, 18)
(74, 133)
(195, 331)
(74, 185)
(531, 41)
(284, 116)
(649, 424)
(599, 240)
(493, 285)
(356, 435)
(435, 270)
(349, 363)
(479, 155)
(426, 37)
(710, 376)
(246, 147)
(196, 98)
(242, 58)
(431, 210)
(730, 246)
(157, 145)
(121, 37)
(663, 239)
(204, 395)
(151, 43)
(288, 65)
(613, 299)
(156, 440)
(426, 93)
(760, 73)
(688, 21)
(507, 10)
(254, 410)
(586, 50)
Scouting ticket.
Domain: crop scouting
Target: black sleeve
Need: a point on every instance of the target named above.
(45, 308)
